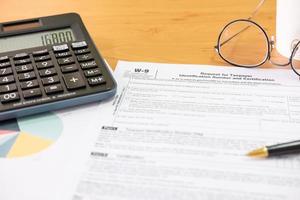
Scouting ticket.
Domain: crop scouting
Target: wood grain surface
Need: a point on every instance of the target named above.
(168, 31)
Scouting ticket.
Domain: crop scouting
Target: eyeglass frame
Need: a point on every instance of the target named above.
(270, 45)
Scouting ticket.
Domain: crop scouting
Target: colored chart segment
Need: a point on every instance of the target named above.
(29, 135)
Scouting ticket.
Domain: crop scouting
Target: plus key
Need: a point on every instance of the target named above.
(74, 81)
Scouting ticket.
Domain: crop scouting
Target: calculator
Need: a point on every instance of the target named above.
(49, 63)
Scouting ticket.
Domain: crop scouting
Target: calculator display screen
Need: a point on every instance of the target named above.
(36, 39)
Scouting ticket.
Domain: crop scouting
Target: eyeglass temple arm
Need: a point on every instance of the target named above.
(256, 9)
(249, 18)
(221, 44)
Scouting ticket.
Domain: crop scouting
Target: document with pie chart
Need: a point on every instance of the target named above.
(29, 135)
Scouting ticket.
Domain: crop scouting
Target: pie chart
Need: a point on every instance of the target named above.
(29, 135)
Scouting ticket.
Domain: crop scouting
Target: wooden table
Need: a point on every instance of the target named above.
(169, 31)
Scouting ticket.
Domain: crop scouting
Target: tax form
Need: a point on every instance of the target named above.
(181, 132)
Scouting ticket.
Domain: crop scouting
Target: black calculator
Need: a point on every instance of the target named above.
(49, 63)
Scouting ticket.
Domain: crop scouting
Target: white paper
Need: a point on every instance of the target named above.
(49, 174)
(181, 132)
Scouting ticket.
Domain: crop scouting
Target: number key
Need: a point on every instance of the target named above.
(45, 64)
(7, 79)
(8, 88)
(47, 72)
(27, 76)
(50, 80)
(29, 84)
(5, 98)
(24, 68)
(5, 71)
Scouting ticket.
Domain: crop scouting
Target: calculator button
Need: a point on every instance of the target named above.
(88, 65)
(7, 79)
(5, 71)
(81, 51)
(24, 68)
(27, 76)
(4, 64)
(85, 57)
(63, 54)
(74, 80)
(50, 80)
(42, 58)
(5, 98)
(21, 56)
(8, 88)
(45, 64)
(79, 45)
(40, 52)
(22, 61)
(65, 61)
(92, 72)
(53, 89)
(32, 93)
(60, 48)
(4, 58)
(96, 80)
(69, 68)
(29, 84)
(47, 72)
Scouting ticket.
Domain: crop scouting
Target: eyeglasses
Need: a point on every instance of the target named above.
(244, 43)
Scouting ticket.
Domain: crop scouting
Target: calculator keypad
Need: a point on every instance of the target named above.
(63, 68)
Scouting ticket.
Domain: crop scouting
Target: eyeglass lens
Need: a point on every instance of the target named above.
(244, 43)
